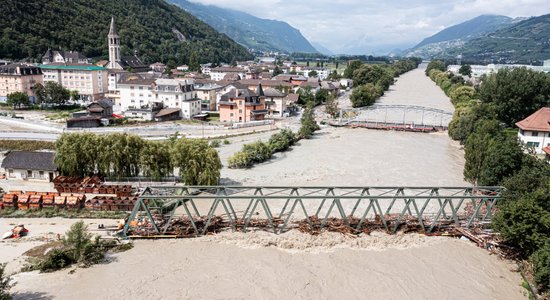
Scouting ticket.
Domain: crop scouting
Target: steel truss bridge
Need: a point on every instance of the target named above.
(278, 209)
(397, 114)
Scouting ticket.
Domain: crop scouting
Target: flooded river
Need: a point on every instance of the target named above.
(344, 157)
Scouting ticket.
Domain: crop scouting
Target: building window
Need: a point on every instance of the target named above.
(29, 173)
(240, 111)
(533, 144)
(231, 114)
(10, 173)
(41, 173)
(521, 132)
(535, 133)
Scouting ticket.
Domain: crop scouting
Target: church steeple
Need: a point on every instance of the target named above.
(114, 46)
(112, 30)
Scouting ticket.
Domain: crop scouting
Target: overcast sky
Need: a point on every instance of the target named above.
(346, 26)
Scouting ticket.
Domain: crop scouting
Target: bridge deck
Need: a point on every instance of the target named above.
(198, 210)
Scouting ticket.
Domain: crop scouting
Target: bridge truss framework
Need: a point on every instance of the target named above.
(280, 209)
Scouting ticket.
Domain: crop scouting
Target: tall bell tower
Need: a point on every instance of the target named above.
(114, 47)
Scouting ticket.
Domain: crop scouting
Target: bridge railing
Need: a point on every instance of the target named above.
(198, 210)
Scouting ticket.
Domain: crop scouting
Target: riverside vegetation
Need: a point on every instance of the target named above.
(125, 155)
(372, 80)
(259, 151)
(483, 122)
(79, 247)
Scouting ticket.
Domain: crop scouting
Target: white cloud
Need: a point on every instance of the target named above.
(345, 25)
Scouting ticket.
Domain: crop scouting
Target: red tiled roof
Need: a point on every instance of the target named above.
(546, 149)
(539, 121)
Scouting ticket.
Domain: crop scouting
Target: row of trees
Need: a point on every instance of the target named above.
(259, 151)
(483, 122)
(125, 155)
(372, 80)
(49, 93)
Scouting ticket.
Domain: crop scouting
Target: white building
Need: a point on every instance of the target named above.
(137, 92)
(219, 73)
(322, 73)
(275, 102)
(207, 92)
(534, 131)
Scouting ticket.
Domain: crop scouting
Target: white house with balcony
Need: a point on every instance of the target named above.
(534, 131)
(137, 93)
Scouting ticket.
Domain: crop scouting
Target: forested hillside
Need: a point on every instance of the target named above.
(28, 28)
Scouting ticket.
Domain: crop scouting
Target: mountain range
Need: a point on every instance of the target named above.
(490, 39)
(154, 29)
(250, 31)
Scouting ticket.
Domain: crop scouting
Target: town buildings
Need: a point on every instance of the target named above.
(243, 105)
(71, 57)
(147, 94)
(322, 73)
(19, 78)
(26, 165)
(534, 131)
(90, 81)
(221, 73)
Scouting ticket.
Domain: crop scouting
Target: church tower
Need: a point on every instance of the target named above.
(114, 47)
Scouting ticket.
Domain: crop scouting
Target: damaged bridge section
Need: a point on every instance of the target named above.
(190, 211)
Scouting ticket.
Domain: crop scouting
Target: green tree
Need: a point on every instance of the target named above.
(516, 93)
(313, 74)
(465, 70)
(76, 239)
(462, 94)
(5, 283)
(193, 63)
(352, 66)
(503, 159)
(155, 160)
(74, 95)
(306, 96)
(281, 141)
(308, 123)
(55, 93)
(364, 95)
(331, 107)
(477, 148)
(198, 163)
(541, 265)
(436, 65)
(18, 99)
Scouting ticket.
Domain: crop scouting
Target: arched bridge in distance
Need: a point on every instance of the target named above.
(396, 117)
(189, 211)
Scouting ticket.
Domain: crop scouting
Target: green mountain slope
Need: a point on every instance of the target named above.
(151, 28)
(469, 29)
(525, 42)
(250, 31)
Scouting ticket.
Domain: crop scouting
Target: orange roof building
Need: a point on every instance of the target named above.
(535, 130)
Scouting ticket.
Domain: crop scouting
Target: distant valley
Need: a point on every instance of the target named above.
(250, 31)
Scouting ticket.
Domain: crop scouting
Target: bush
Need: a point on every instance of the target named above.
(226, 142)
(541, 267)
(365, 95)
(5, 283)
(258, 151)
(240, 160)
(523, 223)
(309, 125)
(215, 143)
(282, 141)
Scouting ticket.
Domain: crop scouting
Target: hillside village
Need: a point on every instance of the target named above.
(125, 87)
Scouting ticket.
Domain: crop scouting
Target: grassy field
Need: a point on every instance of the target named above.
(23, 145)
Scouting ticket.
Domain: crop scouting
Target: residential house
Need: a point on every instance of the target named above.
(275, 102)
(97, 113)
(330, 87)
(322, 73)
(90, 81)
(278, 84)
(219, 73)
(243, 105)
(137, 92)
(27, 165)
(346, 83)
(158, 67)
(183, 68)
(534, 131)
(71, 57)
(18, 78)
(207, 92)
(206, 69)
